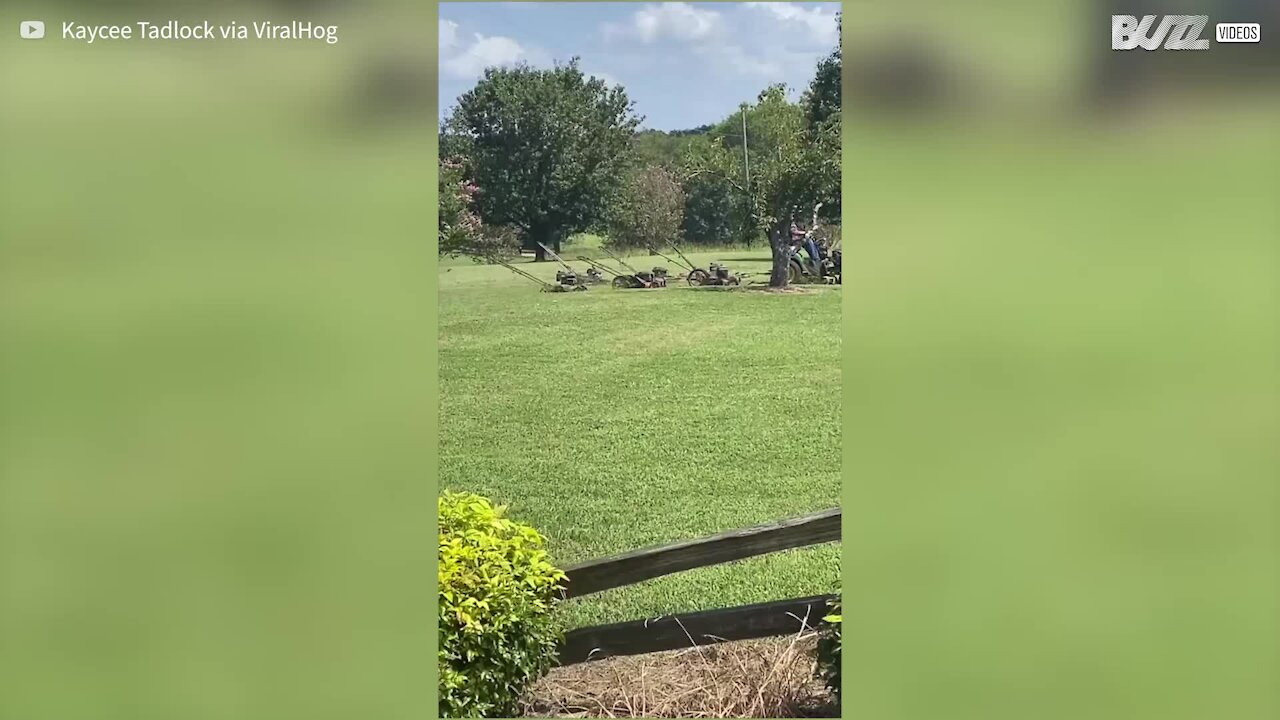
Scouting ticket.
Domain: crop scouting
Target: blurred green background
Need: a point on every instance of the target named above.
(1062, 380)
(1063, 367)
(216, 362)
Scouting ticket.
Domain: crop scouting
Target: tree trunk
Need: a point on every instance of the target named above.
(542, 236)
(779, 241)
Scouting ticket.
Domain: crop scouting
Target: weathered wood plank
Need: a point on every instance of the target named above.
(639, 565)
(674, 632)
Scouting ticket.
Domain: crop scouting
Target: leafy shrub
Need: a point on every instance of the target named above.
(497, 590)
(829, 649)
(461, 230)
(648, 211)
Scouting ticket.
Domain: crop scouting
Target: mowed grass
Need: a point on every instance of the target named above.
(613, 420)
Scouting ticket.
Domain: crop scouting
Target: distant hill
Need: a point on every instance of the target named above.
(700, 130)
(664, 147)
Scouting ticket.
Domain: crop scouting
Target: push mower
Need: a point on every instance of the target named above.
(569, 276)
(653, 278)
(561, 286)
(626, 281)
(715, 274)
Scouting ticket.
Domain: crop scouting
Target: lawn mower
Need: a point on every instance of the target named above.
(569, 276)
(803, 269)
(561, 286)
(715, 274)
(655, 278)
(825, 268)
(625, 281)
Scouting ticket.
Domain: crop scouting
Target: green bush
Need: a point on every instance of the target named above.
(497, 590)
(648, 211)
(829, 649)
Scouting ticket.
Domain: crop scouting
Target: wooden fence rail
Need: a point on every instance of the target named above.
(671, 632)
(639, 565)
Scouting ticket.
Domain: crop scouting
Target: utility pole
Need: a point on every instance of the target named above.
(746, 184)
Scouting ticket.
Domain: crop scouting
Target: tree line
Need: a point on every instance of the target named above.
(530, 156)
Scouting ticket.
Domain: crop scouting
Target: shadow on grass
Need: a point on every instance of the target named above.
(788, 290)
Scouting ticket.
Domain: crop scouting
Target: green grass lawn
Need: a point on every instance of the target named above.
(613, 420)
(584, 241)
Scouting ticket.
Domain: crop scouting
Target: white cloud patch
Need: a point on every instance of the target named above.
(606, 77)
(676, 20)
(468, 58)
(735, 57)
(448, 35)
(485, 52)
(748, 42)
(818, 22)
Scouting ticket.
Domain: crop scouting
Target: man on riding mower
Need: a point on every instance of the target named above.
(803, 238)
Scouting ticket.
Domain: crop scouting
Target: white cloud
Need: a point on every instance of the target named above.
(448, 35)
(735, 57)
(612, 31)
(606, 77)
(468, 59)
(485, 52)
(718, 39)
(677, 20)
(818, 22)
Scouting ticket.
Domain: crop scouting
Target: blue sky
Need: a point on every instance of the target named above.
(683, 64)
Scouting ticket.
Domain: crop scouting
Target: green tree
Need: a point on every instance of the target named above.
(822, 114)
(648, 211)
(794, 169)
(654, 147)
(712, 211)
(822, 100)
(550, 147)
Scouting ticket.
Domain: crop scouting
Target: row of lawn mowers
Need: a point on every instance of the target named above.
(802, 269)
(625, 276)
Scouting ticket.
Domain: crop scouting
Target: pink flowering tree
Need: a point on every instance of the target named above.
(462, 233)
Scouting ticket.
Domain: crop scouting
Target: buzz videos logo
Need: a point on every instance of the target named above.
(1176, 32)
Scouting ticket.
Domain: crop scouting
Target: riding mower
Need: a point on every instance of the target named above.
(804, 269)
(825, 268)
